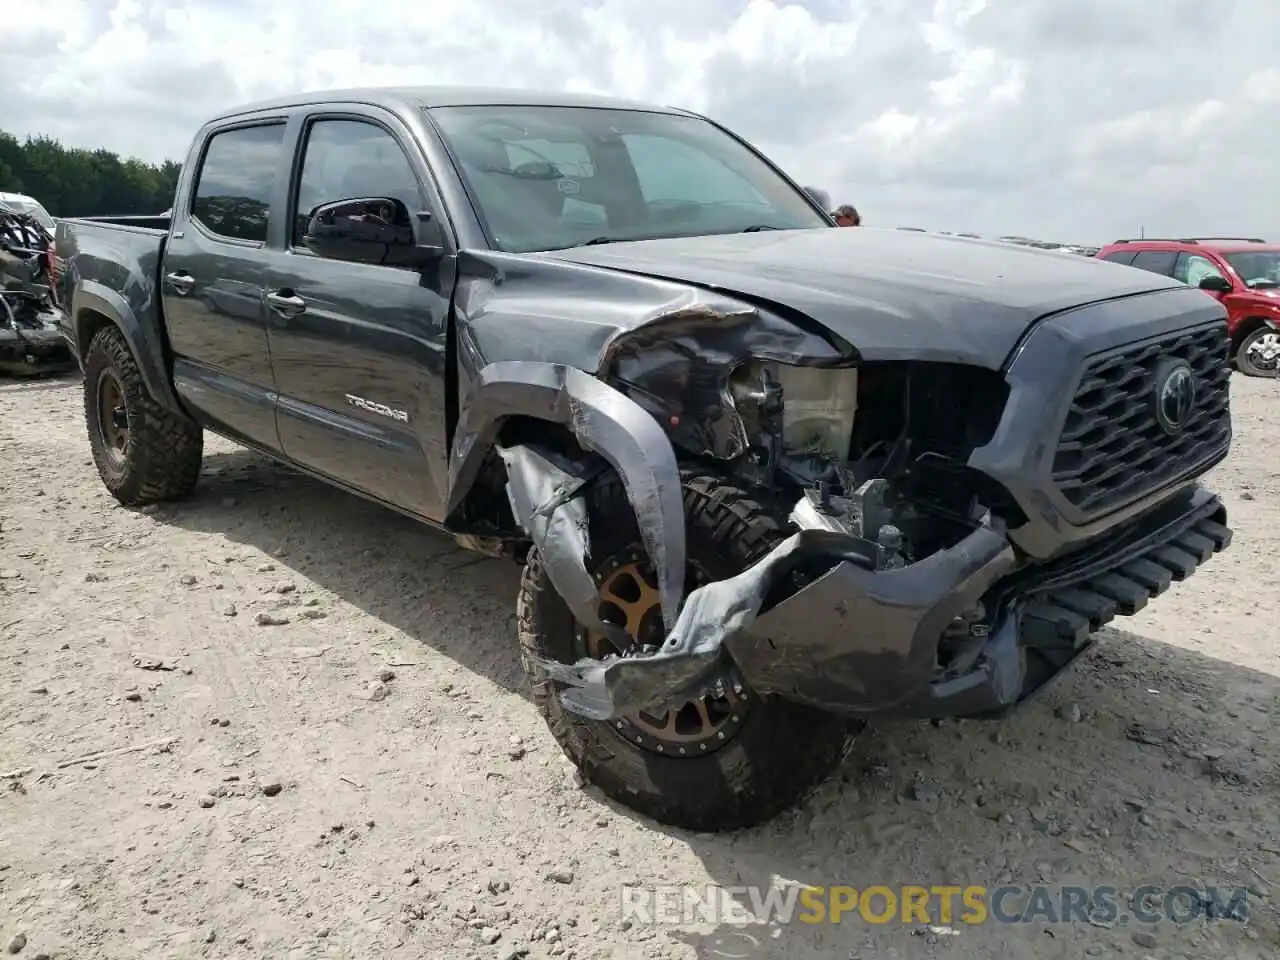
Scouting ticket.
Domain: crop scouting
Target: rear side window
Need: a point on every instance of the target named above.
(1157, 261)
(1119, 256)
(236, 181)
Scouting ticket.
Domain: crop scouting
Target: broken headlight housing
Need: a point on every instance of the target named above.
(812, 408)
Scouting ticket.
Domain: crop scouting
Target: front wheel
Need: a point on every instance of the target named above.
(728, 760)
(1259, 353)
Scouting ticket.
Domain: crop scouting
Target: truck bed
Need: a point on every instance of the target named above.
(158, 222)
(103, 260)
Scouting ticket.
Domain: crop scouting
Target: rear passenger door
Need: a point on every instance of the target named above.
(1156, 261)
(1119, 256)
(212, 281)
(359, 348)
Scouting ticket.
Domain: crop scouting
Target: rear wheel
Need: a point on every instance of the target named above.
(1259, 353)
(143, 452)
(728, 759)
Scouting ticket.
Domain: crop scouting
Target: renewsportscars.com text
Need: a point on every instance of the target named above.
(935, 904)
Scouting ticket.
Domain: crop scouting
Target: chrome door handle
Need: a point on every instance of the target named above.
(287, 305)
(181, 282)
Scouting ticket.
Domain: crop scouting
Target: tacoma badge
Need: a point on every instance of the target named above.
(381, 409)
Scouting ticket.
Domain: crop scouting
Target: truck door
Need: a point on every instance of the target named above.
(212, 282)
(359, 348)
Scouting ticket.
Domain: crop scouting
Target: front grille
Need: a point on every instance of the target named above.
(1112, 449)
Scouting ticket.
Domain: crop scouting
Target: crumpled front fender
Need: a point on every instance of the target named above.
(605, 422)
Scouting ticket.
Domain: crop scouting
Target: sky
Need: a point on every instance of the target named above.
(1078, 121)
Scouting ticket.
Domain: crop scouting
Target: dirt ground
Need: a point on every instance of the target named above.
(279, 805)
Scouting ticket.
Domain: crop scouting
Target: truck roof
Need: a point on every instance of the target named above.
(448, 96)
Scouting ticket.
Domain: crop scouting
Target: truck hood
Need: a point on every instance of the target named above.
(893, 294)
(1262, 297)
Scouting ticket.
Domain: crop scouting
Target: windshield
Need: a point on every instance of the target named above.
(544, 178)
(1257, 268)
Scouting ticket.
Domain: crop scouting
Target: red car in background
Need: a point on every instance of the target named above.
(1243, 273)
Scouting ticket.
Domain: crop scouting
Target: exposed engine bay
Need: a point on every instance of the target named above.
(877, 450)
(867, 463)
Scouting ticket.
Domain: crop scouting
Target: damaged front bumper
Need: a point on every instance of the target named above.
(863, 641)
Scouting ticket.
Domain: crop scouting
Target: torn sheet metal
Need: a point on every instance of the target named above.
(544, 309)
(546, 503)
(860, 641)
(862, 636)
(604, 421)
(693, 648)
(678, 368)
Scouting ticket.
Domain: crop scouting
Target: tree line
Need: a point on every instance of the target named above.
(73, 182)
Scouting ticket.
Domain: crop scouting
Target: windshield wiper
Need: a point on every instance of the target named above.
(595, 241)
(756, 228)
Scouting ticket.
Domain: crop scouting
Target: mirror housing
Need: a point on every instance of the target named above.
(378, 230)
(1215, 284)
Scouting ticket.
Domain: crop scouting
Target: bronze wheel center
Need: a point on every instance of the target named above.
(113, 417)
(629, 597)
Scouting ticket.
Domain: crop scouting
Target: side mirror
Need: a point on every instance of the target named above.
(1215, 284)
(372, 230)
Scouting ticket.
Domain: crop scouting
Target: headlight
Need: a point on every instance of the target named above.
(818, 404)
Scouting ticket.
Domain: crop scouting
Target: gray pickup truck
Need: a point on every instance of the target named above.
(767, 478)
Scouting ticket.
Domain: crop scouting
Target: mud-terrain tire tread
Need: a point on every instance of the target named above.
(165, 449)
(784, 751)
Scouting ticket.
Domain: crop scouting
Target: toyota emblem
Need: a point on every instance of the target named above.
(1175, 395)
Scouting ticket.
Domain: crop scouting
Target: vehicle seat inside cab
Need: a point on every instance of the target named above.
(518, 201)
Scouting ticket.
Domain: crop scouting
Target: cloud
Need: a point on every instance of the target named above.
(1073, 121)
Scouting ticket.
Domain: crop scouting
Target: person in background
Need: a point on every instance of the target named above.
(846, 216)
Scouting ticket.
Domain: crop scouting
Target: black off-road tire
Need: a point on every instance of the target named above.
(782, 751)
(164, 451)
(1244, 364)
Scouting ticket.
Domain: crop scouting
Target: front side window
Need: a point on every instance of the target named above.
(234, 185)
(352, 160)
(1191, 269)
(544, 178)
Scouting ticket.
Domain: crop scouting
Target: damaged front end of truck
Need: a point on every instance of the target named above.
(30, 343)
(957, 534)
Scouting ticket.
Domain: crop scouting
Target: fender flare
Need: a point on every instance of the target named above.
(144, 342)
(605, 422)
